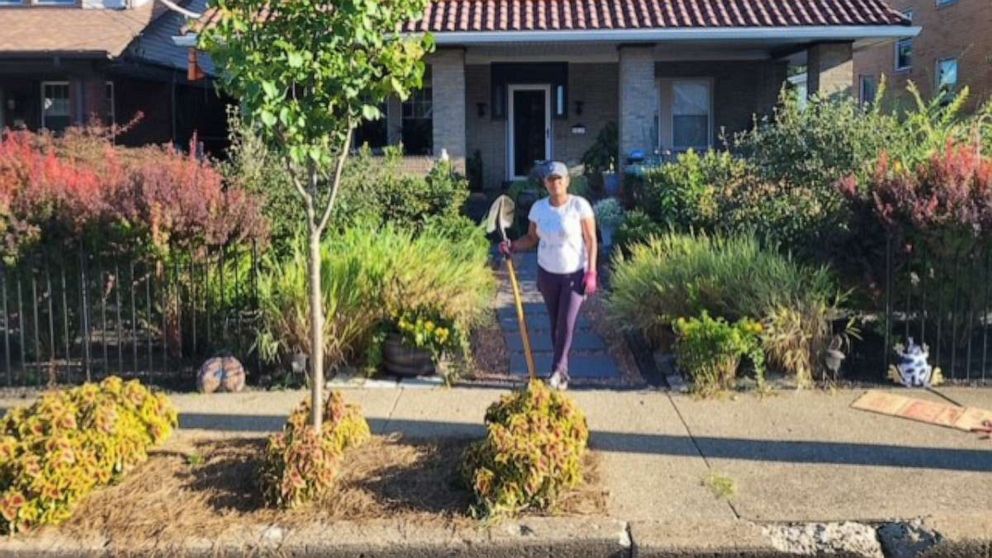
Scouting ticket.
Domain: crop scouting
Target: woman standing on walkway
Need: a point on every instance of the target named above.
(563, 227)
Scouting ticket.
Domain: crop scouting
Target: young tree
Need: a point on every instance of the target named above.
(307, 73)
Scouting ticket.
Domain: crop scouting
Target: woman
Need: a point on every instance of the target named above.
(563, 227)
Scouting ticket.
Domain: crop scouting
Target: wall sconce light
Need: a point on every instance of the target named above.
(579, 129)
(480, 109)
(578, 107)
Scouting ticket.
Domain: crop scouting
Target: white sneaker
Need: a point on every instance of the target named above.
(558, 381)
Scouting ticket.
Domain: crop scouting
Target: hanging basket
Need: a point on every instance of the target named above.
(401, 359)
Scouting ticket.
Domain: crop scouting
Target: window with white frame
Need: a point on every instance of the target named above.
(55, 107)
(904, 48)
(869, 89)
(687, 114)
(947, 74)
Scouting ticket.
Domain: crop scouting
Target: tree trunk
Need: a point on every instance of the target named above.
(316, 330)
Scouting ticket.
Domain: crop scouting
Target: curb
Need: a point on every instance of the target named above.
(537, 537)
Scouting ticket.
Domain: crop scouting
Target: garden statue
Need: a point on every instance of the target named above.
(222, 373)
(912, 368)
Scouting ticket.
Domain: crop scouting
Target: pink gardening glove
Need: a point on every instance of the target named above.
(590, 284)
(506, 248)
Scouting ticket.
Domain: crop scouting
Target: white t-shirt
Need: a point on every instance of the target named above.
(562, 248)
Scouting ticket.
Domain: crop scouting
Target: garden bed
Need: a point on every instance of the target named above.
(206, 487)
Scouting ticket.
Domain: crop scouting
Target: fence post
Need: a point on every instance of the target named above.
(888, 296)
(51, 317)
(6, 325)
(65, 321)
(85, 309)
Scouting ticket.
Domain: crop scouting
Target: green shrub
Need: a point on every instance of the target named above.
(676, 275)
(56, 451)
(371, 276)
(375, 189)
(300, 465)
(710, 351)
(531, 455)
(636, 228)
(685, 195)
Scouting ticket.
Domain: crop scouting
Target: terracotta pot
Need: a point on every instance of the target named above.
(401, 359)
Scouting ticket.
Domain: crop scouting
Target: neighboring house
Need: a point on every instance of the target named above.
(954, 49)
(522, 81)
(65, 62)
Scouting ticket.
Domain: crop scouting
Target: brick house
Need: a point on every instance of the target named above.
(520, 81)
(954, 49)
(65, 62)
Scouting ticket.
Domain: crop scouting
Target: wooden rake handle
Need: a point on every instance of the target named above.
(524, 335)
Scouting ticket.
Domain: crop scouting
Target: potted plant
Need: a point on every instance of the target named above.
(609, 216)
(601, 159)
(419, 343)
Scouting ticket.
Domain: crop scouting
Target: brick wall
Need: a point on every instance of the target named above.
(962, 29)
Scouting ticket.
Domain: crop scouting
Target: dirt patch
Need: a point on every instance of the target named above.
(489, 349)
(202, 488)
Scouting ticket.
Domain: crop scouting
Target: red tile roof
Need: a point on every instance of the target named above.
(574, 15)
(445, 16)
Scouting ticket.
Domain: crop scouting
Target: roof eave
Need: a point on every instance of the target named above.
(727, 34)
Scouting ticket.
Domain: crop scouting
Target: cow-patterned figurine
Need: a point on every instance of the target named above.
(912, 369)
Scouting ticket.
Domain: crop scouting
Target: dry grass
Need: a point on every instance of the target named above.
(172, 497)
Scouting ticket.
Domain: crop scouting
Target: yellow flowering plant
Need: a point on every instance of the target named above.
(427, 329)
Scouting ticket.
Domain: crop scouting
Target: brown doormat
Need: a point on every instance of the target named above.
(941, 414)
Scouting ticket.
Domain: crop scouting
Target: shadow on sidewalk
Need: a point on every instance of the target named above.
(783, 451)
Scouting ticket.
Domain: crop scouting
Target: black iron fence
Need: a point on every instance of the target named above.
(75, 315)
(938, 292)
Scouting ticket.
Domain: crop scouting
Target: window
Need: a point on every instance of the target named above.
(418, 117)
(904, 49)
(947, 74)
(372, 132)
(687, 108)
(55, 113)
(55, 2)
(942, 3)
(869, 89)
(108, 104)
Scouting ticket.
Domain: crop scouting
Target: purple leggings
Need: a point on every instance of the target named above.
(563, 296)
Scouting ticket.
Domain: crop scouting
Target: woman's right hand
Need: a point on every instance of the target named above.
(506, 248)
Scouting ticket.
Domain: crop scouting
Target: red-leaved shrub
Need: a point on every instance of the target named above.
(57, 188)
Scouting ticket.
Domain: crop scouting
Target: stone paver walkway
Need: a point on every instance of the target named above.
(589, 360)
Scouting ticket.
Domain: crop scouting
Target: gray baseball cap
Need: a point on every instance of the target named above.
(555, 168)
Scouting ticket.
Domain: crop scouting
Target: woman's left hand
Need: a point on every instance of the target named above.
(589, 283)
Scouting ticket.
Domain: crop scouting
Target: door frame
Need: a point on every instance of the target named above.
(511, 155)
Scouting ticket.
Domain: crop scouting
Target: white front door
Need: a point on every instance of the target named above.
(529, 130)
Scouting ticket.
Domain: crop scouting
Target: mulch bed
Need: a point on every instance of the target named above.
(171, 497)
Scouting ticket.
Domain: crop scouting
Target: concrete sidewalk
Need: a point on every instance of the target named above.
(792, 456)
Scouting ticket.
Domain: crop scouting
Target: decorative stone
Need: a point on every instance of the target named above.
(221, 374)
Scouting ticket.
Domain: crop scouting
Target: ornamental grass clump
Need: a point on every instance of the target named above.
(678, 275)
(301, 465)
(56, 451)
(532, 453)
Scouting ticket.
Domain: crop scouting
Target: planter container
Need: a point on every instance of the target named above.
(401, 359)
(611, 183)
(607, 235)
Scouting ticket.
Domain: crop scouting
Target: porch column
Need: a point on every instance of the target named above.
(448, 104)
(638, 100)
(830, 69)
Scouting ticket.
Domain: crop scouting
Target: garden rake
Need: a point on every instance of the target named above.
(500, 217)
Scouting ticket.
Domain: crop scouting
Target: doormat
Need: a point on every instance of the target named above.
(931, 412)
